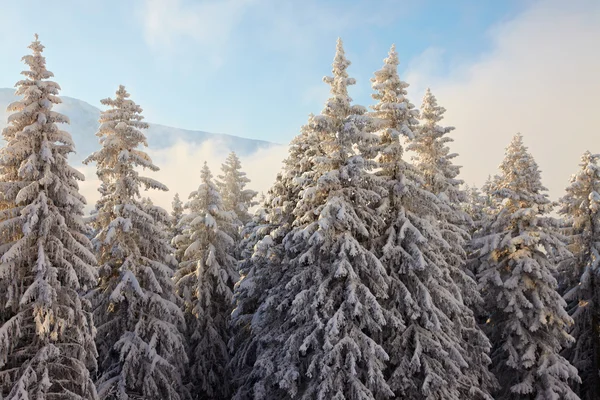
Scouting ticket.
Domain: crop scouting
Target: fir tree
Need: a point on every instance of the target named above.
(474, 206)
(434, 160)
(205, 280)
(527, 322)
(318, 323)
(248, 292)
(262, 252)
(174, 227)
(176, 215)
(232, 188)
(436, 350)
(46, 264)
(581, 209)
(136, 311)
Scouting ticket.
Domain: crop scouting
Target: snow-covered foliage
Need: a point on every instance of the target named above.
(527, 322)
(434, 160)
(433, 157)
(581, 209)
(474, 205)
(175, 228)
(46, 265)
(436, 350)
(135, 307)
(262, 252)
(397, 115)
(232, 188)
(176, 215)
(205, 280)
(248, 293)
(318, 322)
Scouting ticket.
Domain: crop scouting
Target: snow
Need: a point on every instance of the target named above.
(205, 279)
(361, 275)
(47, 333)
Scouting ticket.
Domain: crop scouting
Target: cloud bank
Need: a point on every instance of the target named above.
(180, 166)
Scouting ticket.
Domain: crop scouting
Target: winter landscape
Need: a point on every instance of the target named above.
(424, 232)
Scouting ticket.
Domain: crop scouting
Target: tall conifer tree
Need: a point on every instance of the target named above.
(436, 349)
(581, 272)
(517, 253)
(319, 322)
(139, 321)
(205, 280)
(46, 264)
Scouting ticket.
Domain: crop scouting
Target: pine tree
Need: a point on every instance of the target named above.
(231, 186)
(248, 292)
(436, 350)
(176, 215)
(477, 209)
(527, 322)
(174, 227)
(205, 280)
(581, 209)
(434, 160)
(318, 323)
(262, 252)
(138, 319)
(46, 265)
(474, 205)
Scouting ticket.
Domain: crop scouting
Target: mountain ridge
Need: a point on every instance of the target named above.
(84, 124)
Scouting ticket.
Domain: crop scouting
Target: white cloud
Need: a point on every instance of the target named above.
(289, 26)
(180, 167)
(208, 23)
(540, 78)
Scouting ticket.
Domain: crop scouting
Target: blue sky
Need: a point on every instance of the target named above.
(251, 68)
(254, 68)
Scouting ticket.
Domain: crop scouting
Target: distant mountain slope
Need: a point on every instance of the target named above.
(84, 124)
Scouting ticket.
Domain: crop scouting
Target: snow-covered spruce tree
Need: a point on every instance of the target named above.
(176, 215)
(581, 209)
(320, 322)
(474, 205)
(262, 252)
(477, 209)
(205, 280)
(46, 264)
(398, 114)
(434, 160)
(436, 349)
(174, 229)
(232, 188)
(139, 322)
(527, 322)
(248, 292)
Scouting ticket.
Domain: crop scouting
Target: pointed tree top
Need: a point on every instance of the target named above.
(232, 156)
(340, 62)
(36, 46)
(588, 158)
(430, 110)
(122, 92)
(392, 57)
(429, 98)
(36, 62)
(339, 81)
(520, 172)
(205, 174)
(516, 144)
